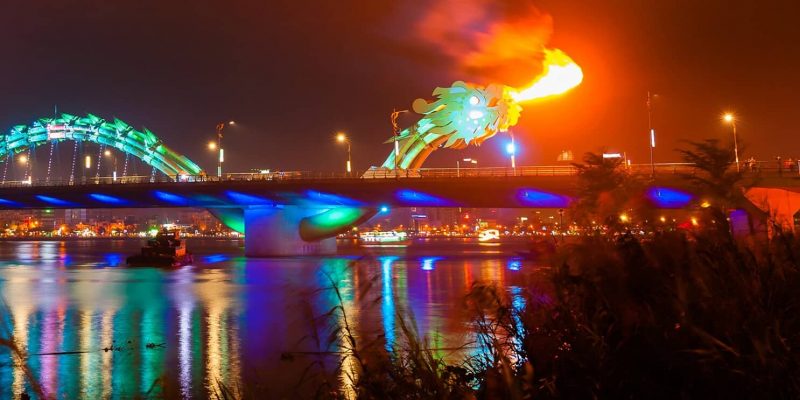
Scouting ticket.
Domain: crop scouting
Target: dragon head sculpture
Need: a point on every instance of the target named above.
(462, 114)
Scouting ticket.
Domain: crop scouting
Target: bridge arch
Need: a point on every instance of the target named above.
(142, 144)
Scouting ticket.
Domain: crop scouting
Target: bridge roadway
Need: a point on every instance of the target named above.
(537, 187)
(299, 213)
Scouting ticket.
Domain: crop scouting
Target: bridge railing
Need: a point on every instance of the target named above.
(764, 168)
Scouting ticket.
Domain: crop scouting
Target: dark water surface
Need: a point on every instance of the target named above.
(94, 328)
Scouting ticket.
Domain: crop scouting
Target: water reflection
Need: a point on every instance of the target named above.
(95, 329)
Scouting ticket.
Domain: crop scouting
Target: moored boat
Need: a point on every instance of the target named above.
(165, 250)
(383, 238)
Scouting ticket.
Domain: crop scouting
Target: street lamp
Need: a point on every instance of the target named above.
(731, 119)
(511, 149)
(652, 133)
(342, 138)
(23, 159)
(108, 153)
(466, 160)
(220, 127)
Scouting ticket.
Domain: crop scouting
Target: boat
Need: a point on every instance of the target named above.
(489, 235)
(166, 249)
(383, 238)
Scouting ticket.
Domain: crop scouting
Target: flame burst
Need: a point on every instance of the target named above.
(559, 75)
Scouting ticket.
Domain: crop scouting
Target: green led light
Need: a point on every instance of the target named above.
(91, 128)
(332, 222)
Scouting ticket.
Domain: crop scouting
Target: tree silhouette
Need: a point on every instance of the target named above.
(715, 179)
(605, 190)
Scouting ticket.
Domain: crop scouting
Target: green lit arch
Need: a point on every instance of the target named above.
(142, 144)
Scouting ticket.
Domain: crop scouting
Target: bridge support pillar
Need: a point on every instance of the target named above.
(272, 231)
(780, 205)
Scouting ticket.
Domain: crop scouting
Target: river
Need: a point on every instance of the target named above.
(93, 328)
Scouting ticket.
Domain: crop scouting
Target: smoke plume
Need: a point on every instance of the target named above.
(499, 41)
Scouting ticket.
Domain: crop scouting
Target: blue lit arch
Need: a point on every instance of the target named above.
(142, 144)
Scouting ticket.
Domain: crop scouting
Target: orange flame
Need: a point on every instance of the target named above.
(560, 74)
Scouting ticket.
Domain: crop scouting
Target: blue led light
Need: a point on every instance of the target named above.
(538, 198)
(214, 258)
(514, 265)
(54, 201)
(668, 198)
(170, 198)
(113, 259)
(511, 148)
(330, 199)
(9, 203)
(246, 199)
(429, 263)
(413, 198)
(104, 198)
(384, 209)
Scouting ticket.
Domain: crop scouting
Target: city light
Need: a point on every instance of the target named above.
(384, 209)
(624, 217)
(511, 148)
(731, 119)
(88, 162)
(23, 159)
(342, 138)
(212, 145)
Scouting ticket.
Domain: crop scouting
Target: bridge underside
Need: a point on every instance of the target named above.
(286, 217)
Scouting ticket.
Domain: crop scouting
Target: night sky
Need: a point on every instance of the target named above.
(292, 73)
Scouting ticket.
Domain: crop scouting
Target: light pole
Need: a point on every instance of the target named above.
(466, 160)
(23, 159)
(731, 119)
(108, 153)
(220, 127)
(395, 135)
(511, 149)
(88, 165)
(652, 134)
(342, 138)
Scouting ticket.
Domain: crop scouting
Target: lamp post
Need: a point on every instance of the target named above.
(466, 160)
(396, 136)
(23, 159)
(731, 119)
(652, 134)
(87, 163)
(342, 138)
(511, 149)
(108, 153)
(220, 127)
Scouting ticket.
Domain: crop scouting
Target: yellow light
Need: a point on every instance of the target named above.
(560, 74)
(341, 137)
(705, 204)
(231, 122)
(694, 221)
(663, 219)
(107, 153)
(23, 159)
(212, 145)
(88, 162)
(624, 217)
(728, 117)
